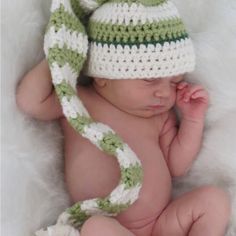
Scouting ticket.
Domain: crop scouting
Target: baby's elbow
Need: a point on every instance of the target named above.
(22, 103)
(48, 110)
(24, 108)
(26, 104)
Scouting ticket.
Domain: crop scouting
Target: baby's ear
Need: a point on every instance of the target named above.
(100, 82)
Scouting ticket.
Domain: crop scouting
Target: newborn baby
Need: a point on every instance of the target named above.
(137, 80)
(141, 111)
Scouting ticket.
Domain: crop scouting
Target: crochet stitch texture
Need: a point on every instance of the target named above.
(113, 39)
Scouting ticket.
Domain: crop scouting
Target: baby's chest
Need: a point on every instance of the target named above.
(142, 135)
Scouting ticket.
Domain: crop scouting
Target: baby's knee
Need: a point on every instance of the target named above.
(103, 226)
(94, 224)
(216, 201)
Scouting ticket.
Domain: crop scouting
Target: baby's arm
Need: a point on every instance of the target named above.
(181, 145)
(36, 96)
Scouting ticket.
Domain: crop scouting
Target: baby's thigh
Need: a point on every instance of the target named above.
(195, 211)
(103, 226)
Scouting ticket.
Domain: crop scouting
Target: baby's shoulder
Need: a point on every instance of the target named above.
(84, 92)
(88, 97)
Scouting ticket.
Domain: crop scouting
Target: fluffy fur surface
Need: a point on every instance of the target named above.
(33, 191)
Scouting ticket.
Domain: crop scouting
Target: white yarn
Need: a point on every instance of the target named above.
(122, 194)
(123, 154)
(114, 13)
(72, 107)
(144, 62)
(88, 5)
(91, 208)
(63, 73)
(58, 230)
(95, 132)
(74, 40)
(57, 3)
(61, 228)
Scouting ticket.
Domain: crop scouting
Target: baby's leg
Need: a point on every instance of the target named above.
(202, 212)
(103, 226)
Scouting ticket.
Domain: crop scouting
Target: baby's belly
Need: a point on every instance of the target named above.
(154, 196)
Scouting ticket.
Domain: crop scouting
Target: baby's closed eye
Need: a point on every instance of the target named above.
(173, 83)
(149, 80)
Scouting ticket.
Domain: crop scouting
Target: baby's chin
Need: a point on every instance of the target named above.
(146, 113)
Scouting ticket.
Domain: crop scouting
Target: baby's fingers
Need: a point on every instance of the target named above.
(182, 85)
(200, 94)
(190, 91)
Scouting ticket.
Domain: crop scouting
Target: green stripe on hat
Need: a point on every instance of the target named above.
(161, 42)
(64, 55)
(79, 12)
(62, 17)
(157, 31)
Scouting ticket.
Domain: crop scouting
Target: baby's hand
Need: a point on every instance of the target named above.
(192, 101)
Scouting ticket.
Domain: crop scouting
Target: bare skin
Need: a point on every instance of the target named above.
(140, 111)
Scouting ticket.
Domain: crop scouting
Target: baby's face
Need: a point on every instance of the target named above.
(140, 97)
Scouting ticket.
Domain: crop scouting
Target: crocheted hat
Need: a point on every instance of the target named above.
(138, 39)
(113, 39)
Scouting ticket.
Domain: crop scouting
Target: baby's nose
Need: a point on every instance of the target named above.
(163, 90)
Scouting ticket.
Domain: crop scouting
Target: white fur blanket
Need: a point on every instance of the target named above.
(33, 192)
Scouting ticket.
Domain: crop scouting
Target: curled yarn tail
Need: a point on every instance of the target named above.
(61, 228)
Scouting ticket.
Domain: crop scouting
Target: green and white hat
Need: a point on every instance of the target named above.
(113, 39)
(138, 39)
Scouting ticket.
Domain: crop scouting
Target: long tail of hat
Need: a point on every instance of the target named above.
(66, 46)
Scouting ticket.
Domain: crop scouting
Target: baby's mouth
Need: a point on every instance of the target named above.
(157, 106)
